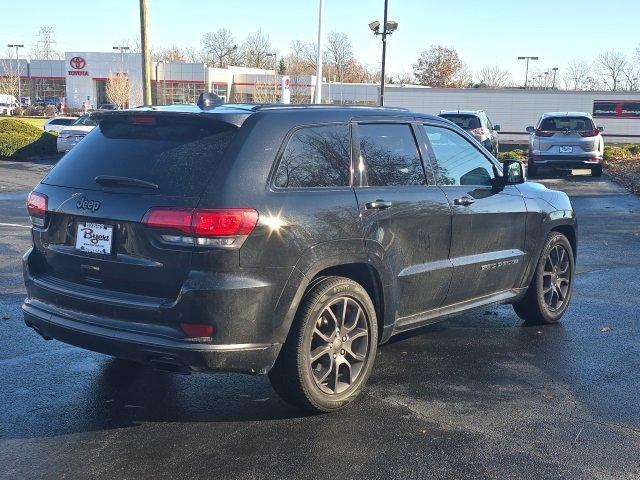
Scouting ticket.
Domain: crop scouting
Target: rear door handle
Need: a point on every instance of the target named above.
(464, 201)
(378, 205)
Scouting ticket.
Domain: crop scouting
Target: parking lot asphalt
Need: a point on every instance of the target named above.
(476, 396)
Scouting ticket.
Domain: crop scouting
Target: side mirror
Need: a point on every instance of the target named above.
(600, 129)
(496, 128)
(512, 172)
(531, 129)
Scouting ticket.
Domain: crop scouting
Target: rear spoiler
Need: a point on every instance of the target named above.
(235, 119)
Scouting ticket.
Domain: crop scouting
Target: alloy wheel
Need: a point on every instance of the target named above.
(339, 345)
(556, 278)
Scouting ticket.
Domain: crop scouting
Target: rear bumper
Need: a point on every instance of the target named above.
(248, 335)
(586, 161)
(148, 348)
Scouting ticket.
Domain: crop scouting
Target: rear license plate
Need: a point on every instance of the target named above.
(565, 149)
(94, 238)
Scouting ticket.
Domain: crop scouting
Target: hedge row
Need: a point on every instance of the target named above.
(19, 140)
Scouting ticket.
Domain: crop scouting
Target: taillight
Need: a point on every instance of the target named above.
(196, 330)
(478, 131)
(590, 133)
(226, 228)
(37, 208)
(544, 133)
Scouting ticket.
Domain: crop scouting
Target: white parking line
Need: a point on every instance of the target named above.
(14, 225)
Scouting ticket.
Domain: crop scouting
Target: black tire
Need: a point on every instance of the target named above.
(295, 376)
(537, 306)
(532, 171)
(596, 171)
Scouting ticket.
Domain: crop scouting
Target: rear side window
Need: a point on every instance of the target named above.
(315, 157)
(468, 122)
(390, 155)
(178, 155)
(559, 124)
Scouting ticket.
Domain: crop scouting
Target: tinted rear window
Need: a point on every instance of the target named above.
(316, 157)
(178, 155)
(559, 124)
(467, 122)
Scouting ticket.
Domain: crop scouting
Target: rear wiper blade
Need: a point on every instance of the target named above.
(110, 180)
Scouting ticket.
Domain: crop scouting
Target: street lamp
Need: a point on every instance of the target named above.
(17, 46)
(388, 28)
(526, 75)
(275, 74)
(546, 79)
(122, 49)
(555, 72)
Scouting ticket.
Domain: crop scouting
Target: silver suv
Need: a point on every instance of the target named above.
(477, 123)
(566, 139)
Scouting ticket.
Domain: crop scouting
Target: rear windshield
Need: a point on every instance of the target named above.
(560, 124)
(468, 122)
(85, 121)
(178, 155)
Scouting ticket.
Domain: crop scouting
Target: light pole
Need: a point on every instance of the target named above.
(555, 72)
(546, 80)
(122, 49)
(275, 74)
(526, 75)
(318, 91)
(158, 83)
(389, 26)
(17, 46)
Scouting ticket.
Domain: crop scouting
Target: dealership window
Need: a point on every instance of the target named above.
(180, 92)
(48, 88)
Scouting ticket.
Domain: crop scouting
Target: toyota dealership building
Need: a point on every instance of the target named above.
(79, 81)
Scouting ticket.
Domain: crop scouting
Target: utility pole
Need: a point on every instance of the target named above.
(17, 46)
(146, 57)
(318, 91)
(526, 76)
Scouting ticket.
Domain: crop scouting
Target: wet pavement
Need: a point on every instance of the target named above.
(476, 396)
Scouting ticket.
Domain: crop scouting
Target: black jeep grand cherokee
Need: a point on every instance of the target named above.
(289, 240)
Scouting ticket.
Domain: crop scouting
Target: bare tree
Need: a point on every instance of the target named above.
(44, 47)
(118, 89)
(438, 66)
(301, 57)
(576, 74)
(339, 52)
(170, 54)
(10, 71)
(219, 49)
(255, 49)
(404, 78)
(611, 65)
(494, 76)
(193, 55)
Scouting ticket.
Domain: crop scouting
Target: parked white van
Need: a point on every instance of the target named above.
(7, 104)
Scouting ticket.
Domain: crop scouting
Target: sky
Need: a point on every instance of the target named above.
(484, 33)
